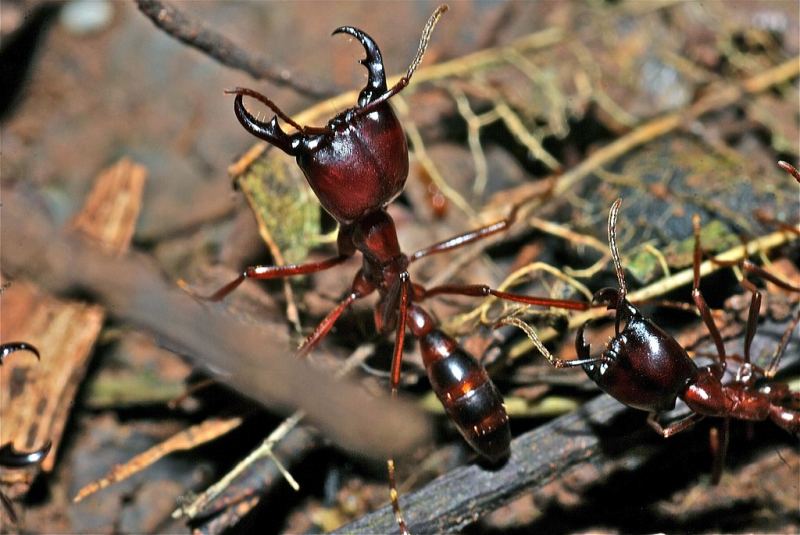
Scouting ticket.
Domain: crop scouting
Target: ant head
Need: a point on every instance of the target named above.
(358, 162)
(642, 366)
(361, 164)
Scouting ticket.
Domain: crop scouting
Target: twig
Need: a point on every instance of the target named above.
(454, 501)
(186, 439)
(191, 32)
(724, 95)
(266, 449)
(246, 490)
(603, 433)
(254, 359)
(667, 284)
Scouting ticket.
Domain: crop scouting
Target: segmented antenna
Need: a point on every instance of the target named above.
(612, 244)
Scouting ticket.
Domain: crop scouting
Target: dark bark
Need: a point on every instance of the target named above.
(463, 495)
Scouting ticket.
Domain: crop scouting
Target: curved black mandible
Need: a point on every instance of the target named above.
(376, 79)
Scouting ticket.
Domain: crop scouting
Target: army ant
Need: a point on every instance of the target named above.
(357, 164)
(645, 368)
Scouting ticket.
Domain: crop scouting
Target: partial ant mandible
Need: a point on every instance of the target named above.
(357, 164)
(645, 368)
(9, 456)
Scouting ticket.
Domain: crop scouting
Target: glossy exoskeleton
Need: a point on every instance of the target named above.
(9, 456)
(644, 367)
(357, 164)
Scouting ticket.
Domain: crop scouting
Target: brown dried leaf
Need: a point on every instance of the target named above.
(37, 396)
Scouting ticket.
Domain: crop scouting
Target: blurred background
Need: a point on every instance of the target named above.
(114, 130)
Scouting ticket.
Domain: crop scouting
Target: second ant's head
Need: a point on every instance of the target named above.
(642, 366)
(358, 163)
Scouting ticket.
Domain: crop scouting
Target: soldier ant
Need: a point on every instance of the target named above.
(357, 164)
(645, 368)
(9, 456)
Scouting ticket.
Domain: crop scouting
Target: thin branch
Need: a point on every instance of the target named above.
(191, 32)
(265, 450)
(603, 433)
(247, 489)
(253, 359)
(455, 500)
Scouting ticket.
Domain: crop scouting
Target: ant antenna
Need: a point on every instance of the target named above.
(424, 39)
(427, 31)
(612, 244)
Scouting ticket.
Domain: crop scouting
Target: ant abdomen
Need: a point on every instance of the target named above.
(464, 388)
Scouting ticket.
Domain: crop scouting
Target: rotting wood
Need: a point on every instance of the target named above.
(37, 397)
(452, 502)
(110, 212)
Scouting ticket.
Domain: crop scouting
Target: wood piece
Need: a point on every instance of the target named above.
(37, 397)
(186, 439)
(109, 215)
(248, 488)
(459, 498)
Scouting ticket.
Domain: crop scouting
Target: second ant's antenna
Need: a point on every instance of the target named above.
(612, 244)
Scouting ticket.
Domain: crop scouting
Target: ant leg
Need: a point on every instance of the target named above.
(718, 440)
(467, 237)
(764, 274)
(481, 290)
(324, 327)
(698, 298)
(397, 360)
(675, 427)
(397, 357)
(772, 369)
(789, 168)
(275, 272)
(752, 317)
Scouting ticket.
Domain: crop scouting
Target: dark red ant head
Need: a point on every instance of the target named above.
(642, 366)
(359, 162)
